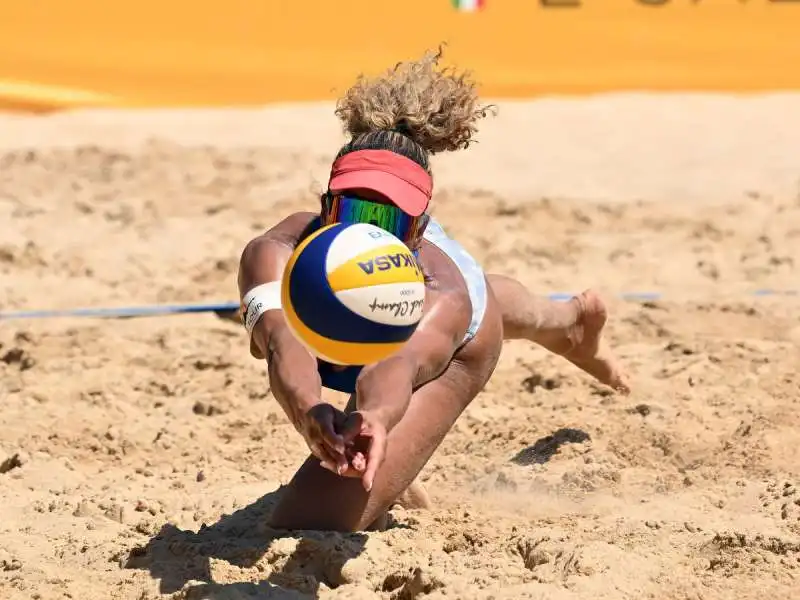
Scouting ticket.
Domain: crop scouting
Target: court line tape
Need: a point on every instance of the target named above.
(130, 312)
(123, 312)
(652, 296)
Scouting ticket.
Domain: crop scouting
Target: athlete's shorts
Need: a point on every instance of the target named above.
(472, 272)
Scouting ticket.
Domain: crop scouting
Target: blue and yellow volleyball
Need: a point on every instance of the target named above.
(352, 293)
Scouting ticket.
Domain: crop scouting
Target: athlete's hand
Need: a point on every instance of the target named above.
(322, 426)
(365, 436)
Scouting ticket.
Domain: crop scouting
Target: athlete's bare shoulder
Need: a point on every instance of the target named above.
(292, 229)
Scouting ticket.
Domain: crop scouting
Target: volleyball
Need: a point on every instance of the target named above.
(352, 293)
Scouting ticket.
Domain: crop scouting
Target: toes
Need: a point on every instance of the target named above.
(415, 497)
(623, 389)
(621, 385)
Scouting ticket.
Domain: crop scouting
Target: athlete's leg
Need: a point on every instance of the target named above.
(319, 499)
(570, 329)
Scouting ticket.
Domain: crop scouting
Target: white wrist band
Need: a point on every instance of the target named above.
(259, 300)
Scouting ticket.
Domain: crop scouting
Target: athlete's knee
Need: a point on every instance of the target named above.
(307, 513)
(514, 306)
(503, 285)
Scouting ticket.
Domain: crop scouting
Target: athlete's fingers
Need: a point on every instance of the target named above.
(327, 430)
(377, 451)
(359, 462)
(339, 420)
(323, 454)
(339, 459)
(316, 450)
(355, 464)
(334, 444)
(351, 473)
(329, 467)
(352, 427)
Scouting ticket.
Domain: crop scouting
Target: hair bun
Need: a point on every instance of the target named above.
(437, 108)
(403, 127)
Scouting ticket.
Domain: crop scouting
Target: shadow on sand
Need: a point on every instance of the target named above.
(545, 448)
(296, 562)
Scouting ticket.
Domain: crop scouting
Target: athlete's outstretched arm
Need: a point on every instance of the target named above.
(292, 370)
(384, 388)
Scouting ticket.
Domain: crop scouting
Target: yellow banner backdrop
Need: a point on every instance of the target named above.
(61, 53)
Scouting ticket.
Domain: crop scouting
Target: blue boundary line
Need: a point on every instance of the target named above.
(122, 312)
(129, 312)
(652, 296)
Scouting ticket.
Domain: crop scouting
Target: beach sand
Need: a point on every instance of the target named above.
(140, 458)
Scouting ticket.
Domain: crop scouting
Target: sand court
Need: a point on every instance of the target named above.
(139, 458)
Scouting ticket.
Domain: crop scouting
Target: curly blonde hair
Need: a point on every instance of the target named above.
(434, 108)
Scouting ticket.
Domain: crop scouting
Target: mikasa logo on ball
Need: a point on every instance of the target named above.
(387, 261)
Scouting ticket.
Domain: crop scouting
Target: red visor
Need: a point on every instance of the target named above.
(400, 179)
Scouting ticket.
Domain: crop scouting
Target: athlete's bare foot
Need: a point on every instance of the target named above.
(414, 497)
(587, 349)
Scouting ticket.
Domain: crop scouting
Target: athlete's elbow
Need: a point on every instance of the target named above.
(262, 260)
(255, 250)
(249, 259)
